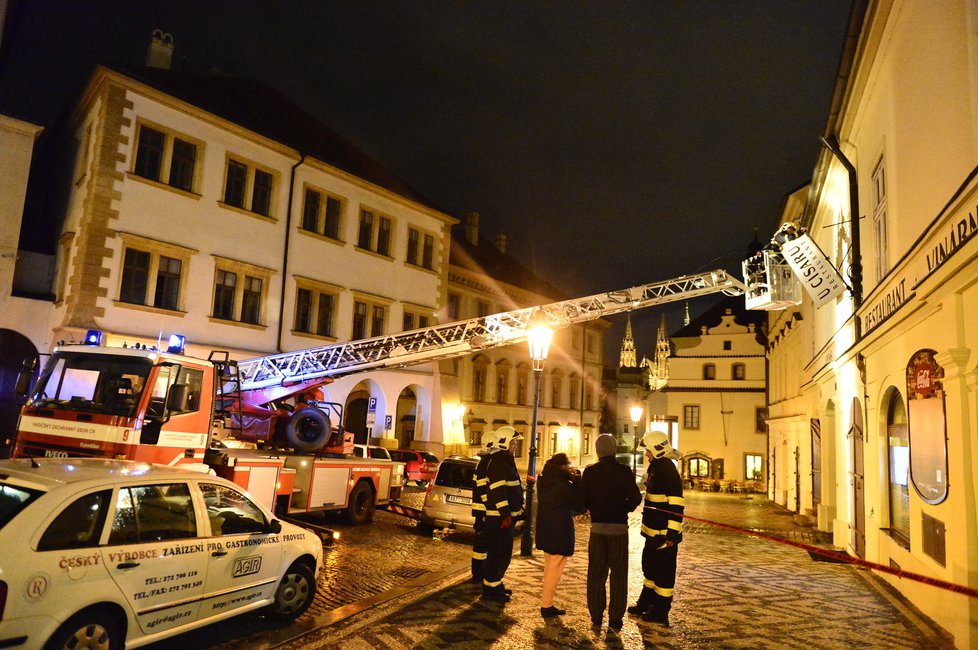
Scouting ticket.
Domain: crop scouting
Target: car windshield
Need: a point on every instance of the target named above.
(456, 475)
(431, 458)
(91, 383)
(13, 499)
(379, 452)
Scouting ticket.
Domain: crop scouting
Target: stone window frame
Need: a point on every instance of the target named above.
(325, 197)
(242, 271)
(248, 191)
(156, 249)
(166, 162)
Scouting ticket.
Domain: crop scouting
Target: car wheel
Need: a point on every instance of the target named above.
(92, 628)
(425, 529)
(361, 507)
(295, 593)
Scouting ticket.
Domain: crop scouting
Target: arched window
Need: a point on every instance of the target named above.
(709, 371)
(898, 459)
(738, 371)
(502, 381)
(555, 381)
(522, 384)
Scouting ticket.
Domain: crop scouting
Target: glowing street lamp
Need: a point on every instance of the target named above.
(635, 411)
(539, 336)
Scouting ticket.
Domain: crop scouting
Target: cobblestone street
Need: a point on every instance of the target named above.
(734, 590)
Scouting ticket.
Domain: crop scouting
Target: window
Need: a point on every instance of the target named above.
(224, 283)
(898, 457)
(481, 308)
(251, 302)
(555, 390)
(691, 416)
(321, 213)
(454, 306)
(77, 526)
(314, 312)
(368, 320)
(522, 381)
(231, 512)
(374, 233)
(753, 467)
(709, 371)
(152, 513)
(575, 391)
(502, 382)
(589, 343)
(248, 188)
(879, 220)
(165, 158)
(428, 252)
(727, 345)
(738, 371)
(152, 273)
(760, 419)
(239, 291)
(418, 253)
(415, 320)
(699, 467)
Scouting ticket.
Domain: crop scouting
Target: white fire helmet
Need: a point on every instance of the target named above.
(658, 443)
(488, 442)
(504, 436)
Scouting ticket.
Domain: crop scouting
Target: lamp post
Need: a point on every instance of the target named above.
(636, 412)
(538, 338)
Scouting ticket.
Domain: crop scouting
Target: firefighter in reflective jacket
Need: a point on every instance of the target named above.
(479, 495)
(662, 527)
(503, 498)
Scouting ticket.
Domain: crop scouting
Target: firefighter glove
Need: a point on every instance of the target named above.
(506, 522)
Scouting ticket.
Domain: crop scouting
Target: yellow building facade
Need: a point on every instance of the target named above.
(873, 398)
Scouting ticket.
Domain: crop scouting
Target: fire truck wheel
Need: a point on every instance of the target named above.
(295, 593)
(307, 429)
(361, 508)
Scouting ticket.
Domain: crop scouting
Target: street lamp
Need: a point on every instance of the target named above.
(636, 412)
(539, 336)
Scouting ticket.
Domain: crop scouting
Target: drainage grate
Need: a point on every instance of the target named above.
(408, 572)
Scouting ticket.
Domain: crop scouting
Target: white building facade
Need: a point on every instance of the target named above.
(254, 236)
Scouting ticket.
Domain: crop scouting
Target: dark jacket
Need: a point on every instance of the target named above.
(504, 490)
(557, 500)
(662, 516)
(608, 491)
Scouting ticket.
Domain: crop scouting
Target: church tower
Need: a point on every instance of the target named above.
(627, 357)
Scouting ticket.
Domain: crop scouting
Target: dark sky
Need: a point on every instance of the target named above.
(615, 143)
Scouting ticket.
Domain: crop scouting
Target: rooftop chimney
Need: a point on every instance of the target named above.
(500, 242)
(159, 54)
(472, 228)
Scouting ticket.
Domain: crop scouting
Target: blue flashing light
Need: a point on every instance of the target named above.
(176, 344)
(93, 337)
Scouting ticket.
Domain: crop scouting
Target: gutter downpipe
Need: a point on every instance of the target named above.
(856, 269)
(285, 252)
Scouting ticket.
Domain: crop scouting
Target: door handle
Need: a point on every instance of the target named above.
(219, 553)
(127, 565)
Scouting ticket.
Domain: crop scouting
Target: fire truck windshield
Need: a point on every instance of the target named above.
(92, 383)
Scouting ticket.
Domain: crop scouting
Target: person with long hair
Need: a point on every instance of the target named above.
(557, 501)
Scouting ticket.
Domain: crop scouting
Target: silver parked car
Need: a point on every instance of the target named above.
(448, 502)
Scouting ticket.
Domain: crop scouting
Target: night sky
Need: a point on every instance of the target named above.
(615, 143)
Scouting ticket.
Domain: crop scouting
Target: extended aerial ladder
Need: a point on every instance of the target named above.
(462, 337)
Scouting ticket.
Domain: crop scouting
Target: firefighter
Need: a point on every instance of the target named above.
(479, 495)
(504, 506)
(662, 527)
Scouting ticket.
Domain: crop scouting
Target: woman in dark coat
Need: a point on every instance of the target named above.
(557, 500)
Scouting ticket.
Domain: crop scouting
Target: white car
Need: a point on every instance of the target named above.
(118, 554)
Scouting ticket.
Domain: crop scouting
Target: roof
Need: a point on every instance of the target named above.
(714, 316)
(50, 473)
(485, 259)
(258, 107)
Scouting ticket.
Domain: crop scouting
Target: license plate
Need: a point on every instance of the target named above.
(454, 498)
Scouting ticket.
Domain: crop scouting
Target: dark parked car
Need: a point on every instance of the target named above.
(420, 466)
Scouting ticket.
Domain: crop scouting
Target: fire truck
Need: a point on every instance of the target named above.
(160, 406)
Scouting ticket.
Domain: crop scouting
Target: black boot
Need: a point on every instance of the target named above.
(643, 604)
(494, 594)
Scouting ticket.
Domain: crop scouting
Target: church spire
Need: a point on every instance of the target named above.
(627, 357)
(658, 370)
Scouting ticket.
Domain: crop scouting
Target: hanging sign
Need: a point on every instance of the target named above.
(809, 264)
